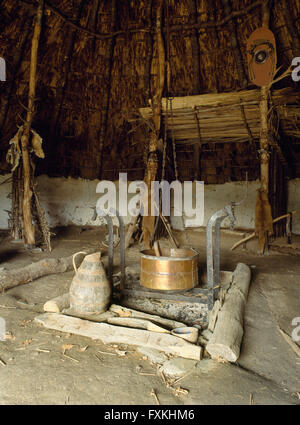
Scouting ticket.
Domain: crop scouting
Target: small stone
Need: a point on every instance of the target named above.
(36, 250)
(202, 341)
(154, 356)
(207, 334)
(177, 367)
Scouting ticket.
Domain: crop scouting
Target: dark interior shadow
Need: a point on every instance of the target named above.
(8, 255)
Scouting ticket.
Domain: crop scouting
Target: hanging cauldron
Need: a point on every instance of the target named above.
(90, 290)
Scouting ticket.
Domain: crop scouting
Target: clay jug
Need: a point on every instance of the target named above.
(90, 290)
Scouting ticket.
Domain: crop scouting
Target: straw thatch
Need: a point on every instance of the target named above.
(96, 68)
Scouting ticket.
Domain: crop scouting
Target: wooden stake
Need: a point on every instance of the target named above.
(29, 237)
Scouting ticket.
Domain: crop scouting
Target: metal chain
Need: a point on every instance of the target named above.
(165, 144)
(170, 99)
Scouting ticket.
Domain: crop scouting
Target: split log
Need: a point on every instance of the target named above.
(11, 278)
(128, 312)
(110, 334)
(227, 337)
(136, 323)
(56, 305)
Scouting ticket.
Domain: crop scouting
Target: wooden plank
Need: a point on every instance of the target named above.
(129, 312)
(110, 334)
(132, 322)
(100, 317)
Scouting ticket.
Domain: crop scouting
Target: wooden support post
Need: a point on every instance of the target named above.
(264, 142)
(29, 236)
(263, 106)
(263, 217)
(152, 165)
(16, 204)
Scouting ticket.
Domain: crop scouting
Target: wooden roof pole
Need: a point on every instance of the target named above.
(29, 236)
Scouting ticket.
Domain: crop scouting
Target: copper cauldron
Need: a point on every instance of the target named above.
(174, 270)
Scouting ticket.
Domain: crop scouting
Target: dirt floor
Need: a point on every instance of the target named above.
(35, 370)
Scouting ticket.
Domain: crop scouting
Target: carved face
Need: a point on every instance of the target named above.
(261, 55)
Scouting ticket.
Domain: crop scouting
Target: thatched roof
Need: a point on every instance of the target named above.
(95, 70)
